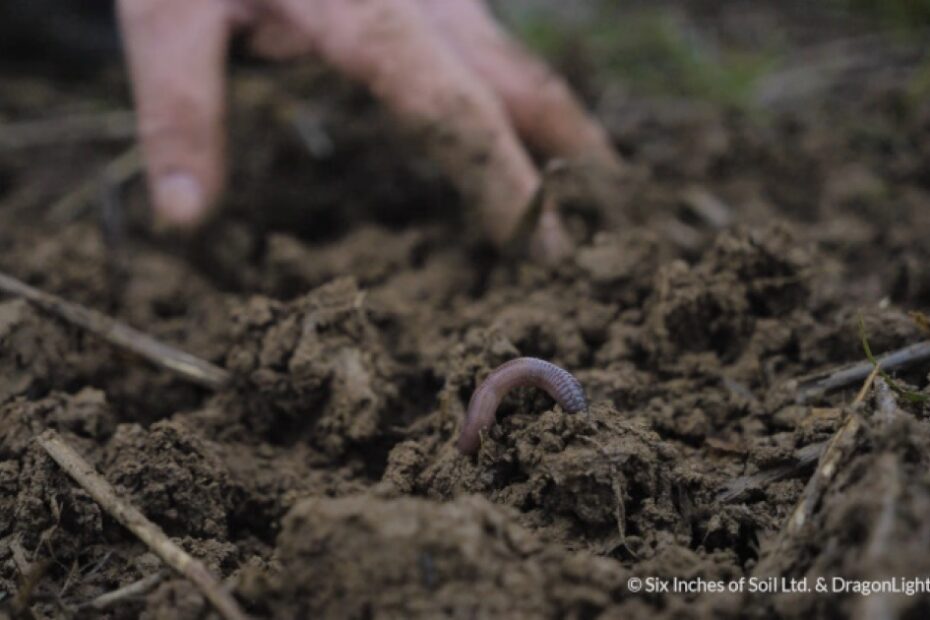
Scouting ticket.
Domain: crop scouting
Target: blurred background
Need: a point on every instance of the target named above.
(790, 109)
(724, 51)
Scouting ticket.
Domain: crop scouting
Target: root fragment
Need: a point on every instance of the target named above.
(899, 359)
(121, 335)
(129, 591)
(132, 519)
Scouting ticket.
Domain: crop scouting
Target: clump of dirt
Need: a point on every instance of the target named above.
(572, 477)
(48, 514)
(371, 254)
(714, 306)
(174, 477)
(37, 355)
(41, 509)
(85, 415)
(158, 293)
(316, 367)
(466, 557)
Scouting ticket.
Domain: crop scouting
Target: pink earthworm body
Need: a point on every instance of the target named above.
(521, 372)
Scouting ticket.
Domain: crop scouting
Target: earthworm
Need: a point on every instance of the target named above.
(521, 372)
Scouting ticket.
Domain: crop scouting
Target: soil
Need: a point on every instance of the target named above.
(349, 292)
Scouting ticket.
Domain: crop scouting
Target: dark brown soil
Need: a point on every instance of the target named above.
(351, 296)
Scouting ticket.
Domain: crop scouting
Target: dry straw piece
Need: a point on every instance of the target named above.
(133, 520)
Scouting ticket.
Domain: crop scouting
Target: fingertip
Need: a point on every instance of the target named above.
(179, 199)
(176, 51)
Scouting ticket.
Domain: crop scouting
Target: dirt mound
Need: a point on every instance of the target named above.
(316, 366)
(347, 557)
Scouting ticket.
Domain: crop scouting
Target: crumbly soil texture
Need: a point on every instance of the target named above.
(347, 289)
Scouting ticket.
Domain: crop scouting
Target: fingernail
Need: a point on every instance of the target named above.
(179, 198)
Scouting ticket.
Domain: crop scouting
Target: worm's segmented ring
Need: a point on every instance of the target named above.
(521, 372)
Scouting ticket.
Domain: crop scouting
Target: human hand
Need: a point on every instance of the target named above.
(443, 66)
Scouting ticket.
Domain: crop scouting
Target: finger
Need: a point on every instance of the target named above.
(390, 46)
(541, 104)
(176, 51)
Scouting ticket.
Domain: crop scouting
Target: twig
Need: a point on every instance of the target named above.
(888, 473)
(112, 125)
(115, 173)
(312, 132)
(864, 390)
(132, 590)
(886, 406)
(843, 377)
(99, 565)
(113, 234)
(19, 556)
(133, 520)
(837, 449)
(889, 478)
(713, 211)
(75, 567)
(522, 233)
(804, 458)
(911, 396)
(30, 573)
(121, 335)
(683, 235)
